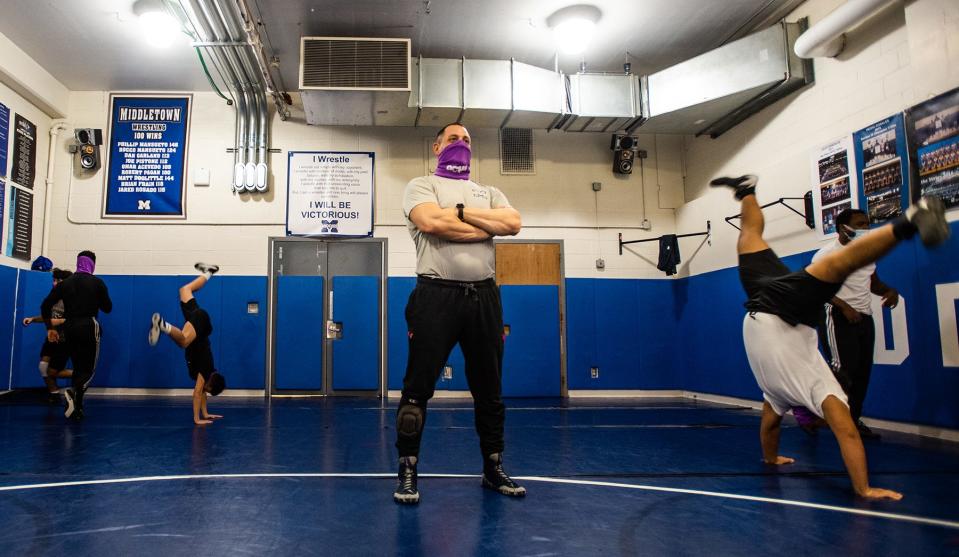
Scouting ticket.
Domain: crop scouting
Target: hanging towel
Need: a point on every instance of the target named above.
(668, 254)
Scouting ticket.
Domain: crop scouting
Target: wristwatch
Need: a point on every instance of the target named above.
(459, 211)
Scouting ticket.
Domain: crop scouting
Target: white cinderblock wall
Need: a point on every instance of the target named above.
(557, 203)
(903, 55)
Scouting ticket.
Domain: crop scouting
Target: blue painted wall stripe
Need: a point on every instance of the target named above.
(641, 334)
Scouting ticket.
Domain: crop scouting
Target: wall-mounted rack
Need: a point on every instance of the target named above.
(708, 234)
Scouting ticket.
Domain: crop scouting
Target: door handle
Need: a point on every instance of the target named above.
(334, 330)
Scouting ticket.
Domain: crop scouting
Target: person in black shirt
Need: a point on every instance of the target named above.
(54, 355)
(83, 296)
(194, 338)
(779, 330)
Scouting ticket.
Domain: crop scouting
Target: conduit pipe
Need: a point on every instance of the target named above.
(234, 22)
(239, 107)
(827, 38)
(244, 100)
(242, 56)
(237, 54)
(220, 26)
(56, 127)
(274, 87)
(200, 15)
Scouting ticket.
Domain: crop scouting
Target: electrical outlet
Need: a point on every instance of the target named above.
(594, 373)
(600, 263)
(642, 154)
(597, 186)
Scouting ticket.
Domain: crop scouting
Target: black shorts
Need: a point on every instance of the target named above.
(796, 297)
(57, 353)
(198, 317)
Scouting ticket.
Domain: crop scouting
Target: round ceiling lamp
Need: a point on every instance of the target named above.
(573, 27)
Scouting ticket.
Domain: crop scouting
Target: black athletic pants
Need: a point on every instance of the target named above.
(848, 348)
(438, 315)
(83, 342)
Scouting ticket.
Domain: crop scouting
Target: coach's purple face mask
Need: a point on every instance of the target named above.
(454, 161)
(85, 265)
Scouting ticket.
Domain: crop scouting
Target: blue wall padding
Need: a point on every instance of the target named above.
(163, 365)
(626, 328)
(299, 333)
(356, 356)
(28, 340)
(241, 349)
(641, 334)
(123, 337)
(531, 359)
(8, 306)
(127, 360)
(921, 390)
(397, 343)
(580, 331)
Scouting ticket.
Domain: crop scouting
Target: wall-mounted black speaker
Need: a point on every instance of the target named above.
(625, 149)
(623, 161)
(88, 147)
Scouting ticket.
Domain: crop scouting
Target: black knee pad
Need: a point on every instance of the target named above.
(409, 419)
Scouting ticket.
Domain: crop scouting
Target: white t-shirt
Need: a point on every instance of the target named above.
(857, 290)
(439, 258)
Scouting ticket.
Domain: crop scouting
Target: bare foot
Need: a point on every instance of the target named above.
(781, 460)
(202, 422)
(879, 493)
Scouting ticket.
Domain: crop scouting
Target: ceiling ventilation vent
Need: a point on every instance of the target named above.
(352, 63)
(516, 151)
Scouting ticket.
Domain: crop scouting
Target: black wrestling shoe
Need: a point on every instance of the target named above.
(496, 479)
(78, 403)
(865, 432)
(406, 492)
(207, 268)
(929, 217)
(70, 404)
(742, 186)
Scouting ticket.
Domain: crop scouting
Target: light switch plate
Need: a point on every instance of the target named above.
(201, 177)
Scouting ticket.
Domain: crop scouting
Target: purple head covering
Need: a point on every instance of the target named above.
(85, 265)
(454, 161)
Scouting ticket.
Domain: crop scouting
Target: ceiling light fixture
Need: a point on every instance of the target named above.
(159, 27)
(573, 27)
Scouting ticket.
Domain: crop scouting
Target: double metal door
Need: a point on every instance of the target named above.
(327, 316)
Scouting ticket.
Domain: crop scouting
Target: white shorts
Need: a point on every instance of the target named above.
(787, 364)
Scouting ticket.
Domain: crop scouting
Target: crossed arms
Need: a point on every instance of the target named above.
(477, 225)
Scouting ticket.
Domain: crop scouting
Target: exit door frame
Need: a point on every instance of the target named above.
(269, 370)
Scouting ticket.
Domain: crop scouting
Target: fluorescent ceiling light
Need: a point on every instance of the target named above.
(159, 28)
(573, 27)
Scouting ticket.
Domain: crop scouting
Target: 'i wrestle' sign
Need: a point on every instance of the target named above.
(329, 194)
